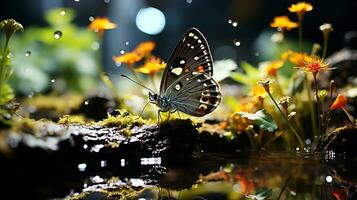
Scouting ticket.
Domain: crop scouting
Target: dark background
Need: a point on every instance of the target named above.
(253, 17)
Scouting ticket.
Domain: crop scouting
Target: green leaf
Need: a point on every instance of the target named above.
(7, 94)
(261, 118)
(249, 69)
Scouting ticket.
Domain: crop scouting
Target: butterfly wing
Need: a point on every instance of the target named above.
(187, 80)
(196, 95)
(191, 54)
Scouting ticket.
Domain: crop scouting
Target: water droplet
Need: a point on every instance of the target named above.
(122, 162)
(308, 141)
(28, 53)
(189, 1)
(236, 42)
(256, 54)
(122, 51)
(76, 0)
(229, 21)
(57, 34)
(127, 43)
(82, 167)
(95, 45)
(118, 64)
(103, 163)
(235, 24)
(86, 102)
(63, 13)
(329, 179)
(90, 18)
(106, 1)
(53, 80)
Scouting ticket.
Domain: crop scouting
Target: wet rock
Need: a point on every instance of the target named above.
(97, 107)
(342, 140)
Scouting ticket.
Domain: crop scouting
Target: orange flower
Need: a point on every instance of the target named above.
(283, 23)
(145, 48)
(300, 8)
(100, 24)
(128, 58)
(271, 68)
(151, 66)
(314, 65)
(295, 57)
(339, 102)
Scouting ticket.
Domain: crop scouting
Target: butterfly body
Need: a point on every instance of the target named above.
(187, 85)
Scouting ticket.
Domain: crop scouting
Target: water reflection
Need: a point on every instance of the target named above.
(207, 176)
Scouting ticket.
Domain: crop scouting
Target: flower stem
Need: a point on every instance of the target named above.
(324, 50)
(3, 66)
(288, 122)
(300, 20)
(317, 105)
(350, 117)
(311, 107)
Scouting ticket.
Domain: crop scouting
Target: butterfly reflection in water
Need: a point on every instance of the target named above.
(187, 85)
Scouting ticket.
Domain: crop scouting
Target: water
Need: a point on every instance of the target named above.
(207, 176)
(57, 34)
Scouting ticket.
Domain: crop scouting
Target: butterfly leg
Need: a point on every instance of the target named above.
(178, 113)
(158, 116)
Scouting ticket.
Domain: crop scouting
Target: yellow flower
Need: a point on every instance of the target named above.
(151, 66)
(145, 48)
(258, 92)
(128, 58)
(271, 68)
(100, 24)
(283, 23)
(300, 8)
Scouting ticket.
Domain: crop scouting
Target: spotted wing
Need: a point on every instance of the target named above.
(192, 54)
(196, 94)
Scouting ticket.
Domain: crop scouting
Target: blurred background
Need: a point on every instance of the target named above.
(237, 29)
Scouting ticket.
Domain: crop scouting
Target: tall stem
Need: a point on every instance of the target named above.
(311, 108)
(300, 20)
(3, 66)
(301, 143)
(324, 51)
(317, 105)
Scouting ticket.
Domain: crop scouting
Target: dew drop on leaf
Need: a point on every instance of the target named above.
(57, 34)
(122, 51)
(63, 13)
(28, 53)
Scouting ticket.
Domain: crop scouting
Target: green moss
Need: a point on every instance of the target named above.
(73, 119)
(26, 125)
(122, 119)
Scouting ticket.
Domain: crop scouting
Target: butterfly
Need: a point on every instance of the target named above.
(187, 85)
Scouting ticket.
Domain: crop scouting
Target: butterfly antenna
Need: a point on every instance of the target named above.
(125, 76)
